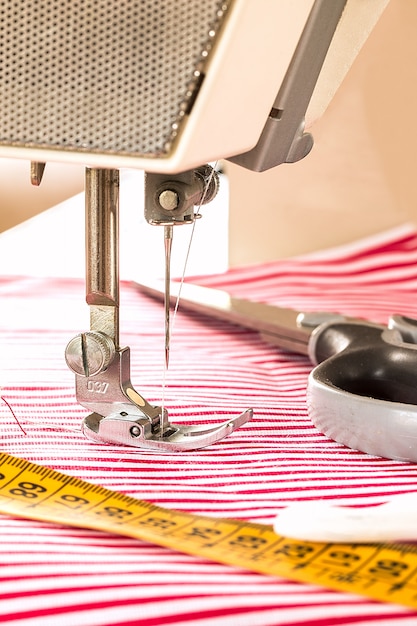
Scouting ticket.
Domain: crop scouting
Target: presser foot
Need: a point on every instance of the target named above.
(130, 430)
(123, 416)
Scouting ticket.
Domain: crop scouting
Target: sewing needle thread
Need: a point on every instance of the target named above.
(168, 234)
(14, 414)
(187, 255)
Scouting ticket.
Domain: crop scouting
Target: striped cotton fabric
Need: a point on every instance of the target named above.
(52, 575)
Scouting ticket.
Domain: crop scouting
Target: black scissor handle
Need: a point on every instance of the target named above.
(363, 393)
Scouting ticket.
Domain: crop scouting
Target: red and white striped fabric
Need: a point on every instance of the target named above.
(54, 575)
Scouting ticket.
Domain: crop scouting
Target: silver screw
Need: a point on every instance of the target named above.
(135, 431)
(90, 353)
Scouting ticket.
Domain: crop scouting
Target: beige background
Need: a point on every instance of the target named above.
(359, 178)
(20, 200)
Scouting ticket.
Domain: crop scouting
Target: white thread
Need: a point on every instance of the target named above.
(187, 256)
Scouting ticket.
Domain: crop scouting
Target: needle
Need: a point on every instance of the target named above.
(168, 232)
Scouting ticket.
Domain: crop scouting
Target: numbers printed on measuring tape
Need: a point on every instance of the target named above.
(342, 558)
(27, 490)
(295, 551)
(387, 568)
(115, 511)
(71, 501)
(203, 532)
(157, 523)
(248, 542)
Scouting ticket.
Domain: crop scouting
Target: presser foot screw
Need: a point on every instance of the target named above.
(89, 354)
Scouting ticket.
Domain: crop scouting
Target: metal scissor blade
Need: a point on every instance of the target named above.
(282, 327)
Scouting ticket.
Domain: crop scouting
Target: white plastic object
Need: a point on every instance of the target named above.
(395, 520)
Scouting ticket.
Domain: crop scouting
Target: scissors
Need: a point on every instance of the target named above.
(362, 391)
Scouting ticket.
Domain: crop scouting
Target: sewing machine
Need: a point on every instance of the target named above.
(155, 86)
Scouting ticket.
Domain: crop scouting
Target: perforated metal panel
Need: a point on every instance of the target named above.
(102, 76)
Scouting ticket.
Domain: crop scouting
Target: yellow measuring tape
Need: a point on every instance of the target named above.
(385, 572)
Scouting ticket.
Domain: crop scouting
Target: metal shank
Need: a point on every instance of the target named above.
(102, 250)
